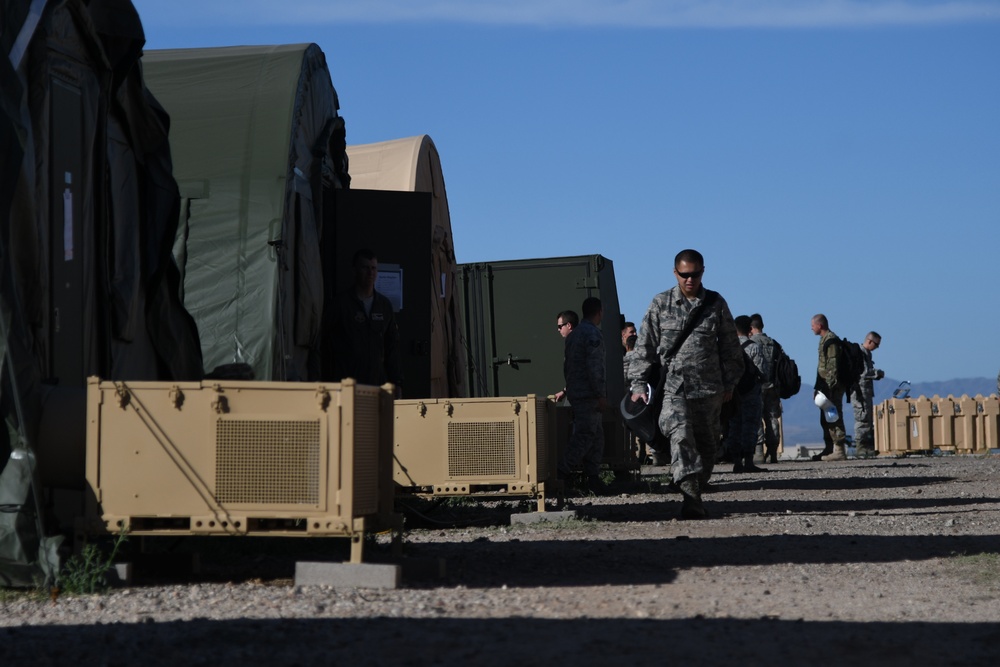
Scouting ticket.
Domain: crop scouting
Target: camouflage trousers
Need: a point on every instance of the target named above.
(586, 443)
(769, 433)
(692, 425)
(864, 422)
(834, 434)
(744, 424)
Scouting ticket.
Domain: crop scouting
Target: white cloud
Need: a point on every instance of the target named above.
(569, 13)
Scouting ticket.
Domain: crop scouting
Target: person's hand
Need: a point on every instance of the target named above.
(879, 374)
(640, 397)
(559, 395)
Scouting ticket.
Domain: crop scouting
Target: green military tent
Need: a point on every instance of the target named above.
(256, 140)
(88, 214)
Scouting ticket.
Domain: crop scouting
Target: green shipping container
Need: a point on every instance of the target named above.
(510, 309)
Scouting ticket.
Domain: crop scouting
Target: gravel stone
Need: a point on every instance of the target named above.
(879, 561)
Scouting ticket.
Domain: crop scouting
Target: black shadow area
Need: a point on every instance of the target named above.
(583, 562)
(503, 642)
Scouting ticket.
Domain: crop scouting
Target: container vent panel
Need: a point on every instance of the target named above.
(260, 461)
(482, 449)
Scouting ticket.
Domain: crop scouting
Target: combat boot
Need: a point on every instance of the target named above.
(839, 453)
(748, 465)
(823, 454)
(771, 454)
(691, 507)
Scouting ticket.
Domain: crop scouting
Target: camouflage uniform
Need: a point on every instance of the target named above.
(862, 396)
(708, 363)
(828, 383)
(769, 433)
(583, 368)
(745, 422)
(626, 360)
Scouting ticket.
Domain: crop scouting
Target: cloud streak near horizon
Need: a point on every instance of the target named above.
(583, 13)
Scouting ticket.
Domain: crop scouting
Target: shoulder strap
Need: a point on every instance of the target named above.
(689, 326)
(746, 342)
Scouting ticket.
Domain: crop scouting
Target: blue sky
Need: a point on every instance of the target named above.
(829, 156)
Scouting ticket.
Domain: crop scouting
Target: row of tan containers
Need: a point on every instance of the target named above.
(300, 459)
(965, 425)
(313, 459)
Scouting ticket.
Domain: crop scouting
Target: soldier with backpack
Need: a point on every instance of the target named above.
(829, 380)
(745, 420)
(769, 433)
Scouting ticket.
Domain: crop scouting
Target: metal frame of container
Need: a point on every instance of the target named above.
(239, 458)
(489, 447)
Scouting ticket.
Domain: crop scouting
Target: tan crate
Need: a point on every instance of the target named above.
(239, 458)
(502, 446)
(961, 425)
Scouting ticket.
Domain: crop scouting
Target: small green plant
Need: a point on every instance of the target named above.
(17, 594)
(982, 569)
(86, 573)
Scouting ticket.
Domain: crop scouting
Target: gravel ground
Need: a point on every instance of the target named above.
(882, 562)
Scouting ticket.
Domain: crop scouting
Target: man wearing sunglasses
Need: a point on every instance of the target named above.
(566, 321)
(586, 388)
(700, 376)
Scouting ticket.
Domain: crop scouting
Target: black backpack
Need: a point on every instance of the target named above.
(850, 363)
(751, 375)
(784, 373)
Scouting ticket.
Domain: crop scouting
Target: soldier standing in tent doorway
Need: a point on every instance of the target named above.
(365, 336)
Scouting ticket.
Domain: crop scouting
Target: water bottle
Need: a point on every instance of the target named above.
(830, 414)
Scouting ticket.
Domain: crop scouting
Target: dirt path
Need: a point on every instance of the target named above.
(882, 562)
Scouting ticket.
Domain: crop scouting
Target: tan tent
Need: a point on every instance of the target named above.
(413, 165)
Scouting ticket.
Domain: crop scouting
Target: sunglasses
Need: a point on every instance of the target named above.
(560, 326)
(690, 274)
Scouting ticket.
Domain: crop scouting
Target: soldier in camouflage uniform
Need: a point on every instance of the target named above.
(862, 398)
(745, 422)
(699, 377)
(769, 433)
(584, 370)
(834, 436)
